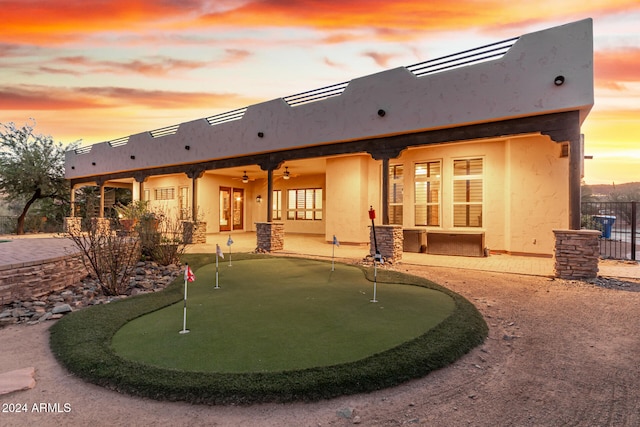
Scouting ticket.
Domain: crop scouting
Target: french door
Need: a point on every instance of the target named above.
(231, 208)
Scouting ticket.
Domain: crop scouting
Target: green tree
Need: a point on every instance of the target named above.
(31, 168)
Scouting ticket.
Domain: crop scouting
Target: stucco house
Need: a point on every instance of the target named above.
(479, 149)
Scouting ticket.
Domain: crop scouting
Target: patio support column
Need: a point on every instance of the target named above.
(73, 201)
(269, 195)
(385, 191)
(385, 154)
(269, 164)
(140, 179)
(101, 209)
(194, 174)
(575, 176)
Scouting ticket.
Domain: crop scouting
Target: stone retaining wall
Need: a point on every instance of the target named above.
(35, 279)
(390, 241)
(576, 254)
(270, 236)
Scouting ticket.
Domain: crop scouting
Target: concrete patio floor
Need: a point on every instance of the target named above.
(29, 249)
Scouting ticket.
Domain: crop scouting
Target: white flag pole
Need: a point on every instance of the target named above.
(375, 277)
(217, 287)
(184, 315)
(333, 256)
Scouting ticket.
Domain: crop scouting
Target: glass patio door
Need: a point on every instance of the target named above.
(231, 209)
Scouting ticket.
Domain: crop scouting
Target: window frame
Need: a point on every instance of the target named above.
(296, 212)
(468, 203)
(427, 204)
(395, 206)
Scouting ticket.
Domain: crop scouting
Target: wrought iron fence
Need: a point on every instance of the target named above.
(618, 223)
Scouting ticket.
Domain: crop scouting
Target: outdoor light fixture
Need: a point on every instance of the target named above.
(187, 147)
(381, 112)
(559, 81)
(286, 172)
(93, 163)
(260, 134)
(133, 157)
(245, 178)
(259, 199)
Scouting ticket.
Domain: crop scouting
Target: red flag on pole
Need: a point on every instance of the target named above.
(188, 274)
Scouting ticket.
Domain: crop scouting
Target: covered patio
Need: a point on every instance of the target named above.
(315, 246)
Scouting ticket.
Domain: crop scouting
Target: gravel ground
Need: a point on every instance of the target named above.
(558, 353)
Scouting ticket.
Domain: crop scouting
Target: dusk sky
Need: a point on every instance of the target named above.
(99, 70)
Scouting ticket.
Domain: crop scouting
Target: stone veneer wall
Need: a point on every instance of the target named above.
(194, 232)
(576, 254)
(72, 224)
(270, 236)
(35, 279)
(390, 241)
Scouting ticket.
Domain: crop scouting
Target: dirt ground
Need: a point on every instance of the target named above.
(558, 353)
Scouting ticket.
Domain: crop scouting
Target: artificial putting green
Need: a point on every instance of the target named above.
(280, 314)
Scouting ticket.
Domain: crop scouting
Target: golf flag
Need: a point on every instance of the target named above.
(219, 251)
(188, 277)
(188, 274)
(229, 243)
(333, 252)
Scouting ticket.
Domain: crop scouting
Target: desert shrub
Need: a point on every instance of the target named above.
(109, 255)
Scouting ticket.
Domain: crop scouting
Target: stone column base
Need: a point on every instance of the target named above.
(101, 225)
(390, 241)
(72, 225)
(194, 232)
(576, 254)
(269, 236)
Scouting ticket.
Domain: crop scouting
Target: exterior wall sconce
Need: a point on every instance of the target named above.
(133, 157)
(558, 81)
(245, 178)
(260, 134)
(93, 163)
(286, 173)
(381, 112)
(259, 199)
(73, 167)
(187, 147)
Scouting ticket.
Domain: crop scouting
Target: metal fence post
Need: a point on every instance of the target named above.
(634, 222)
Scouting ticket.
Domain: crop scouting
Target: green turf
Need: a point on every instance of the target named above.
(279, 314)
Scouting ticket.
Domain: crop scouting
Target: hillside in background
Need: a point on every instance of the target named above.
(604, 190)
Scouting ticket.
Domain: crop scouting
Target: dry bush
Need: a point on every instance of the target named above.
(111, 256)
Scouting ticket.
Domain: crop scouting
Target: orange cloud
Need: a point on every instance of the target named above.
(32, 97)
(406, 14)
(611, 67)
(51, 21)
(382, 59)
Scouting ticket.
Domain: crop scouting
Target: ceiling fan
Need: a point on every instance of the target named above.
(286, 174)
(245, 178)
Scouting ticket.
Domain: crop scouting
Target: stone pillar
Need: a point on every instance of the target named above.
(390, 240)
(101, 225)
(576, 254)
(194, 232)
(72, 224)
(270, 236)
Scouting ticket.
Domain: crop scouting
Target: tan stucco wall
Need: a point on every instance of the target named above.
(525, 190)
(350, 182)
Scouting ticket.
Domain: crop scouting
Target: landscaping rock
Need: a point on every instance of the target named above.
(152, 278)
(60, 309)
